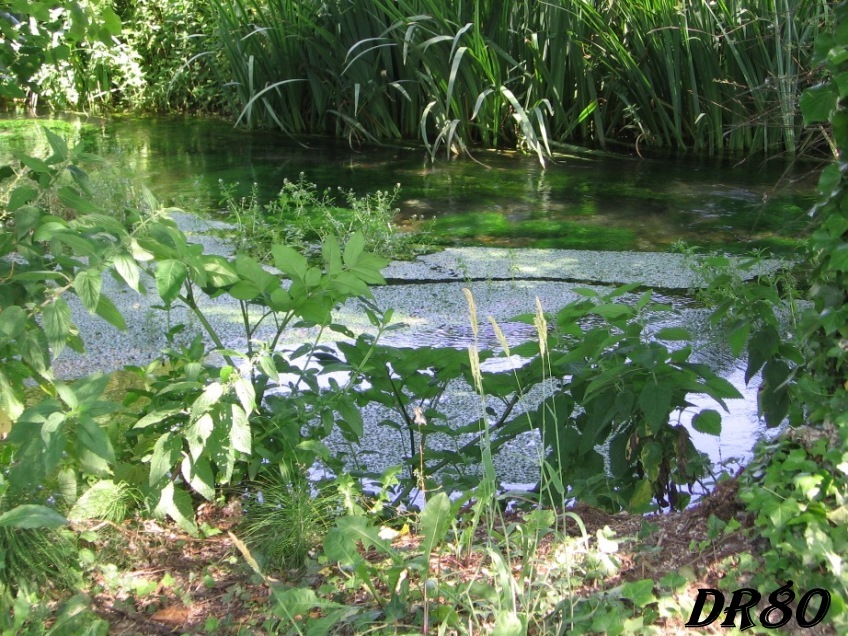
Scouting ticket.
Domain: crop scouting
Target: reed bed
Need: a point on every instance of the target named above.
(713, 77)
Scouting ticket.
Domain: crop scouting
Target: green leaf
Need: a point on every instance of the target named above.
(32, 516)
(166, 452)
(88, 283)
(210, 396)
(177, 505)
(57, 324)
(332, 255)
(198, 474)
(57, 144)
(613, 311)
(35, 351)
(127, 269)
(341, 542)
(435, 522)
(72, 199)
(170, 275)
(95, 439)
(641, 593)
(737, 337)
(240, 434)
(244, 290)
(651, 458)
(655, 402)
(642, 496)
(353, 249)
(707, 421)
(198, 433)
(508, 623)
(36, 165)
(817, 102)
(12, 323)
(246, 394)
(21, 196)
(106, 309)
(290, 262)
(111, 21)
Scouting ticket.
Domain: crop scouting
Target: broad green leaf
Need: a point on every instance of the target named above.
(613, 311)
(246, 394)
(349, 284)
(289, 261)
(250, 270)
(36, 165)
(72, 199)
(641, 593)
(817, 102)
(127, 268)
(197, 434)
(35, 351)
(737, 337)
(12, 323)
(166, 453)
(655, 402)
(707, 421)
(21, 196)
(106, 309)
(57, 324)
(88, 283)
(435, 522)
(111, 21)
(49, 228)
(170, 275)
(341, 542)
(57, 144)
(353, 249)
(244, 290)
(92, 502)
(240, 435)
(312, 279)
(210, 396)
(91, 436)
(80, 245)
(32, 516)
(155, 417)
(651, 458)
(332, 255)
(176, 503)
(219, 271)
(198, 474)
(642, 496)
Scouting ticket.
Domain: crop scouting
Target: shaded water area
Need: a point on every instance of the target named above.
(581, 202)
(589, 201)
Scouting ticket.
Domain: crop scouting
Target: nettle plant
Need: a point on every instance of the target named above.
(202, 422)
(610, 424)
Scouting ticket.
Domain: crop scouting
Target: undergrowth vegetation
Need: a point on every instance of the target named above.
(302, 217)
(233, 419)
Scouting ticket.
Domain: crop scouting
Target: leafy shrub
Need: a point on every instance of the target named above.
(302, 217)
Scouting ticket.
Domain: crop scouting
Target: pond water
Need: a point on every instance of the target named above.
(586, 201)
(499, 199)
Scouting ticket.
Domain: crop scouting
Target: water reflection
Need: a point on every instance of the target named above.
(502, 198)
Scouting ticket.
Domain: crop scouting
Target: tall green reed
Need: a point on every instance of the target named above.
(663, 74)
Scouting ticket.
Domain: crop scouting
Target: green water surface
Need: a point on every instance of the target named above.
(497, 199)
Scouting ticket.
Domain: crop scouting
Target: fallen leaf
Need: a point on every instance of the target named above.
(173, 615)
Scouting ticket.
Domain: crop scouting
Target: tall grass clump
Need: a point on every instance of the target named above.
(709, 77)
